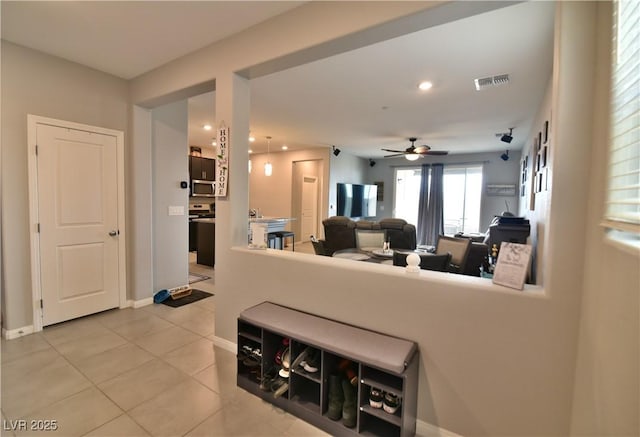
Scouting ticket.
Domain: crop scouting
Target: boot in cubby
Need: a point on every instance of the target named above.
(349, 409)
(336, 397)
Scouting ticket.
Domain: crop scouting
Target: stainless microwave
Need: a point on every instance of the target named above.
(200, 188)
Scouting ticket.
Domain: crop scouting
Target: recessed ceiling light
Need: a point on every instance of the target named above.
(250, 151)
(213, 143)
(207, 127)
(425, 85)
(284, 147)
(251, 139)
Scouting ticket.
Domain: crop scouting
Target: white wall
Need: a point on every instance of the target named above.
(170, 166)
(273, 195)
(345, 168)
(39, 84)
(607, 385)
(494, 362)
(538, 216)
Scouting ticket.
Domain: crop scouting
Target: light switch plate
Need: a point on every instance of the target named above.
(176, 210)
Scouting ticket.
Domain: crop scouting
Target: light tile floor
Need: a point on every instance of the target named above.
(135, 372)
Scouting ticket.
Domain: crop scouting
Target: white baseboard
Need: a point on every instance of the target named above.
(140, 303)
(425, 429)
(10, 334)
(225, 344)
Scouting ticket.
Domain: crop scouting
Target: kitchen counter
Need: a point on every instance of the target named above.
(274, 224)
(204, 220)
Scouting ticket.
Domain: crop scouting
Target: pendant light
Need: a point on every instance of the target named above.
(268, 168)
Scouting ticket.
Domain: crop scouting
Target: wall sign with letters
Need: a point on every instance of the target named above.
(222, 161)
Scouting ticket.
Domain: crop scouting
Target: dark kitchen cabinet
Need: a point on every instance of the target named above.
(206, 242)
(201, 168)
(193, 236)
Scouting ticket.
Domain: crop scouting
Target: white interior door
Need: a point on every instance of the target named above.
(77, 184)
(309, 225)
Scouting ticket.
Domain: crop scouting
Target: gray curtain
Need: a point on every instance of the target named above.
(423, 203)
(431, 219)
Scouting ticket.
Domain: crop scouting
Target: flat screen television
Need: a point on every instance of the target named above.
(357, 200)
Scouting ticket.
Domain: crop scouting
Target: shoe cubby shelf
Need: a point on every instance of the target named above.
(324, 371)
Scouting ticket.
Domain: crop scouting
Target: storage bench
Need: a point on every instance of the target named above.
(387, 363)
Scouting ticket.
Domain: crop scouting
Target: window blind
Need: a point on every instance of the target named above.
(623, 197)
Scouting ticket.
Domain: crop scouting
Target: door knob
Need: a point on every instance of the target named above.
(113, 233)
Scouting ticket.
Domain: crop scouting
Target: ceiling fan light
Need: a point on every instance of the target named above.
(412, 156)
(425, 85)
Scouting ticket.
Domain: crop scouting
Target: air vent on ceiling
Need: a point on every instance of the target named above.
(486, 82)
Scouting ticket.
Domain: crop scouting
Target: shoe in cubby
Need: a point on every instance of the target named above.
(375, 397)
(391, 403)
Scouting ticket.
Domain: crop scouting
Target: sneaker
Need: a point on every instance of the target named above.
(391, 403)
(312, 362)
(285, 347)
(267, 379)
(375, 397)
(285, 360)
(252, 359)
(279, 386)
(301, 357)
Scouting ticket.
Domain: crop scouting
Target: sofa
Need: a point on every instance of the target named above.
(340, 233)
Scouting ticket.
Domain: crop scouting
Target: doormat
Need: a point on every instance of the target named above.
(195, 277)
(195, 296)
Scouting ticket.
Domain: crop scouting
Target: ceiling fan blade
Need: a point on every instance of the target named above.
(395, 151)
(397, 154)
(436, 152)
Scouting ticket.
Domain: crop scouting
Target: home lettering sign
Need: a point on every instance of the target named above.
(222, 162)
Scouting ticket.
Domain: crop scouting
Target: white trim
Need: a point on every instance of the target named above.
(428, 430)
(225, 344)
(140, 303)
(36, 286)
(625, 241)
(10, 334)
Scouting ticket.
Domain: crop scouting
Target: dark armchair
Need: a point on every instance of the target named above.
(338, 234)
(400, 234)
(459, 250)
(428, 261)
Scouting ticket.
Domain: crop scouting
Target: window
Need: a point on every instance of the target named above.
(407, 193)
(622, 213)
(462, 188)
(462, 195)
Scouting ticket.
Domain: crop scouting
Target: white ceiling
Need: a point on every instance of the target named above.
(360, 101)
(129, 38)
(367, 99)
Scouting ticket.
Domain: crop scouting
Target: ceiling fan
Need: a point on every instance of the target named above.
(414, 152)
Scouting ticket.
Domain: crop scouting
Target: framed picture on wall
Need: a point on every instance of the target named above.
(539, 140)
(532, 193)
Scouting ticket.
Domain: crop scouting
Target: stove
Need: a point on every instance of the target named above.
(201, 210)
